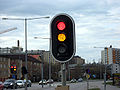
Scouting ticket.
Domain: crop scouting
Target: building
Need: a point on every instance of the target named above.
(111, 56)
(77, 60)
(48, 57)
(13, 57)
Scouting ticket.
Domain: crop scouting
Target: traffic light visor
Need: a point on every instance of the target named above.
(61, 25)
(61, 37)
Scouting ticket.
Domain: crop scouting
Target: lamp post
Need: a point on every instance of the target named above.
(105, 48)
(49, 59)
(25, 28)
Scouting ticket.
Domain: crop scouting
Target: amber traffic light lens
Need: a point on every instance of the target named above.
(61, 26)
(61, 37)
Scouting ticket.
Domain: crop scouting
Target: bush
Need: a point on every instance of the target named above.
(94, 89)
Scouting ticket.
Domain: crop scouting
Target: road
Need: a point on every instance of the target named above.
(73, 86)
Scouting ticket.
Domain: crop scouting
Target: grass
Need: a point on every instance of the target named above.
(94, 89)
(109, 83)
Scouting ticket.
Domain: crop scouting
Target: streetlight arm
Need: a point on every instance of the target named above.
(24, 18)
(41, 38)
(8, 30)
(13, 19)
(37, 18)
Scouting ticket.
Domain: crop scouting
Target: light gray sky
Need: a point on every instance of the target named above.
(97, 23)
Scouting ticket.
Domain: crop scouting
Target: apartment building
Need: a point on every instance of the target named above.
(111, 56)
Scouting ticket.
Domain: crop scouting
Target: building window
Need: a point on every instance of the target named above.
(0, 65)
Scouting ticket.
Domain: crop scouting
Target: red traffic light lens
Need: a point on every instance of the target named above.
(61, 26)
(11, 66)
(14, 66)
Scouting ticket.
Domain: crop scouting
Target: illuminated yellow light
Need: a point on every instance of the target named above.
(14, 69)
(61, 37)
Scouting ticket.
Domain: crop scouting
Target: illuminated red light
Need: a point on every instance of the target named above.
(11, 66)
(14, 66)
(61, 26)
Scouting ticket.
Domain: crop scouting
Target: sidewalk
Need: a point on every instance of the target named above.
(100, 85)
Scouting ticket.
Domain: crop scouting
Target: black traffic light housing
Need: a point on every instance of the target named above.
(13, 69)
(87, 71)
(62, 39)
(24, 70)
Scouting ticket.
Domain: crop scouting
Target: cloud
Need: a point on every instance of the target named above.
(96, 22)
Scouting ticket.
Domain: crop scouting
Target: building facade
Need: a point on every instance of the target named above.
(111, 56)
(8, 59)
(48, 57)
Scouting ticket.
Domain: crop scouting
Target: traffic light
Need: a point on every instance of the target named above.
(13, 69)
(62, 37)
(87, 71)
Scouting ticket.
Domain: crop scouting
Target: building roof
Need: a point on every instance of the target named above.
(21, 57)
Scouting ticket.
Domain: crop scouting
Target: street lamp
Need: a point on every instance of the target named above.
(49, 58)
(105, 65)
(25, 28)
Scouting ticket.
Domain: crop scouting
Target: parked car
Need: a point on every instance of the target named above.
(80, 80)
(20, 83)
(44, 82)
(10, 83)
(1, 86)
(50, 81)
(73, 80)
(29, 83)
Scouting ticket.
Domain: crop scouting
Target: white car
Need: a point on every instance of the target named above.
(20, 83)
(44, 82)
(50, 81)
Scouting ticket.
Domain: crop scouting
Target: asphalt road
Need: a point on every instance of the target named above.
(73, 86)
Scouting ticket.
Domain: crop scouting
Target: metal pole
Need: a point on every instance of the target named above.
(63, 69)
(68, 71)
(25, 51)
(87, 77)
(49, 70)
(105, 70)
(42, 70)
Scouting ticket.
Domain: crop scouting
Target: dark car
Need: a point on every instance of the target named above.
(73, 80)
(1, 85)
(10, 83)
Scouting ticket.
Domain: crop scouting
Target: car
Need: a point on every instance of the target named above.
(50, 81)
(20, 83)
(1, 86)
(80, 80)
(44, 82)
(29, 83)
(10, 83)
(73, 80)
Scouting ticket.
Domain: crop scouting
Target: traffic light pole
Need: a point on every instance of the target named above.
(63, 74)
(105, 71)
